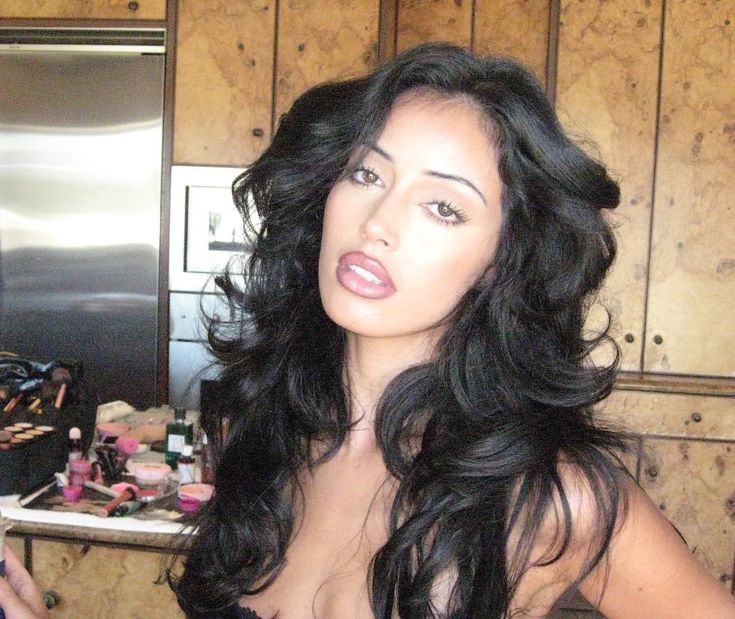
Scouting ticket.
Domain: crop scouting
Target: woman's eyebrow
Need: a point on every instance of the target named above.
(451, 177)
(458, 179)
(380, 151)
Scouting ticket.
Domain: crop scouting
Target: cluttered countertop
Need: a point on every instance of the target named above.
(118, 475)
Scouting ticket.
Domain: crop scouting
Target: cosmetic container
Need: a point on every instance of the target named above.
(185, 465)
(79, 471)
(128, 507)
(206, 461)
(75, 444)
(178, 433)
(72, 494)
(151, 474)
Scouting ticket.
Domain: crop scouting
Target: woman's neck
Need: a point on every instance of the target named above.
(371, 363)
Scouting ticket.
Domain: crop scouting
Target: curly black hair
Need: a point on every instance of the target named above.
(507, 397)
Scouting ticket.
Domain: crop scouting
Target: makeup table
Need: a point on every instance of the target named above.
(95, 567)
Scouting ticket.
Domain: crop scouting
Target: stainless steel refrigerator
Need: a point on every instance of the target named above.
(80, 202)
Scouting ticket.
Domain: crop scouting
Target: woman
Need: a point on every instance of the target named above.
(409, 393)
(409, 430)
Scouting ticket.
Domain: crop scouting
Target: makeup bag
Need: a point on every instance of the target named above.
(39, 403)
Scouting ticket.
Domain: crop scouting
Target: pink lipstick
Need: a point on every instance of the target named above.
(364, 276)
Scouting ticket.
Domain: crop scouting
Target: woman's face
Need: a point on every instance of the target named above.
(414, 223)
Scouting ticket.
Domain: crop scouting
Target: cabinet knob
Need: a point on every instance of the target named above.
(133, 6)
(51, 599)
(657, 339)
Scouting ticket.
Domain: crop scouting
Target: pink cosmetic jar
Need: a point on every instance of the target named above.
(79, 472)
(150, 473)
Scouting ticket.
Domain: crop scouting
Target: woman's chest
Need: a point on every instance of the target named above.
(339, 527)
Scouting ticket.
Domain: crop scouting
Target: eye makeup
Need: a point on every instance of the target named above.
(22, 433)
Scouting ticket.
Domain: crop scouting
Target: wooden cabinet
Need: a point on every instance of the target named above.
(234, 77)
(514, 28)
(607, 79)
(439, 20)
(321, 40)
(662, 117)
(692, 483)
(224, 75)
(84, 9)
(101, 582)
(16, 544)
(687, 466)
(685, 462)
(692, 267)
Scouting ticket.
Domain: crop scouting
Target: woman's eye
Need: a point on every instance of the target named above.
(364, 176)
(445, 213)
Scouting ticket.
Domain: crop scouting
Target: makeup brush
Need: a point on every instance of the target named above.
(128, 494)
(63, 376)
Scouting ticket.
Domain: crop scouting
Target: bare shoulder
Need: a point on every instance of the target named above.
(647, 570)
(652, 573)
(581, 515)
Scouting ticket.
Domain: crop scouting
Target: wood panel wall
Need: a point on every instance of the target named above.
(646, 86)
(84, 9)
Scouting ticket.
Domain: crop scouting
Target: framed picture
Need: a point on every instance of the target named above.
(206, 228)
(213, 229)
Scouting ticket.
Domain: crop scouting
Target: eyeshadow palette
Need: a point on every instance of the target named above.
(34, 431)
(33, 447)
(30, 454)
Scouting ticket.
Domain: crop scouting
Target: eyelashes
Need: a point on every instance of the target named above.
(440, 210)
(364, 176)
(445, 212)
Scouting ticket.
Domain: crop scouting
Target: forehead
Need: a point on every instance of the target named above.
(430, 132)
(419, 118)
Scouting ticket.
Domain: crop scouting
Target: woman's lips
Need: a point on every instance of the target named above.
(364, 276)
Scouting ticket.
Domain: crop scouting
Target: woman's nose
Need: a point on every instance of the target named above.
(380, 225)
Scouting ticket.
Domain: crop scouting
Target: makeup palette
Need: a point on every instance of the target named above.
(39, 403)
(29, 453)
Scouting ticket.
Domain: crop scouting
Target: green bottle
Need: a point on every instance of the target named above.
(179, 432)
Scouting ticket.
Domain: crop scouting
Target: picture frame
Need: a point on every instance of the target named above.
(205, 227)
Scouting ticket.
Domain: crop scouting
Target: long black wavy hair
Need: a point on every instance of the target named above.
(507, 397)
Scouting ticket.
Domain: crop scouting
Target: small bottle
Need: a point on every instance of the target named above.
(179, 432)
(185, 465)
(75, 444)
(206, 460)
